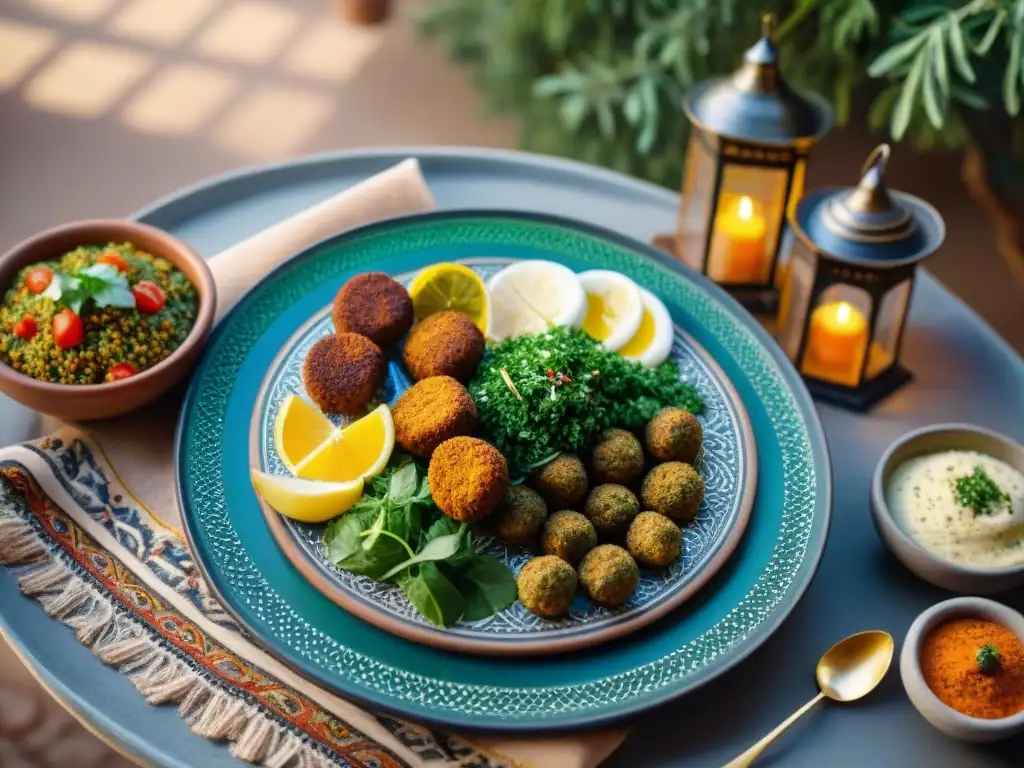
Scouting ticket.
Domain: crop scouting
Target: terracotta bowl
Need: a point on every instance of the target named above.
(81, 402)
(946, 719)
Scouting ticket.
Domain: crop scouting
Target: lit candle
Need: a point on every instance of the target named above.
(741, 230)
(837, 340)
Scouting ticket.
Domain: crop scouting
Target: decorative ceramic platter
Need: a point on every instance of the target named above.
(728, 465)
(719, 625)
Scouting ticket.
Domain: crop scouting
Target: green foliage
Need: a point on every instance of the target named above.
(602, 80)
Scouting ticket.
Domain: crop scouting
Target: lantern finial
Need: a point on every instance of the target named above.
(768, 26)
(868, 213)
(872, 194)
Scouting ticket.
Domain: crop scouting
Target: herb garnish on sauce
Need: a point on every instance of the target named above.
(980, 493)
(988, 659)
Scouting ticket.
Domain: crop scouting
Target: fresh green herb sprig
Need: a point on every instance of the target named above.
(566, 390)
(980, 493)
(100, 283)
(396, 534)
(988, 659)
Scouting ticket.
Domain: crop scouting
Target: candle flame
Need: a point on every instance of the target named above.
(843, 312)
(746, 208)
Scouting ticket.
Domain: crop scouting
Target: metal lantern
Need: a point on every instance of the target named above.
(745, 166)
(847, 285)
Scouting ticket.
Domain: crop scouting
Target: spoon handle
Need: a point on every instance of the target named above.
(748, 757)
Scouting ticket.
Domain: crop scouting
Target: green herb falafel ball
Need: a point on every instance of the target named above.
(674, 489)
(617, 458)
(674, 434)
(547, 585)
(520, 515)
(611, 508)
(654, 540)
(568, 535)
(562, 481)
(609, 575)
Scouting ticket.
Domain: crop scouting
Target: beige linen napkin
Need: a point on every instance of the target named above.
(139, 446)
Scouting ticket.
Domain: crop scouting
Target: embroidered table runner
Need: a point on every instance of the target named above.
(89, 522)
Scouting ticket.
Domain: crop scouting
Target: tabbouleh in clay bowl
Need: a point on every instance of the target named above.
(115, 341)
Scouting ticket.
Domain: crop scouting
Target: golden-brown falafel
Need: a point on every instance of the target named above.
(468, 478)
(445, 344)
(674, 434)
(343, 372)
(374, 305)
(562, 481)
(430, 412)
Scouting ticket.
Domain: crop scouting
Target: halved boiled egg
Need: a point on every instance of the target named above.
(614, 307)
(533, 297)
(652, 342)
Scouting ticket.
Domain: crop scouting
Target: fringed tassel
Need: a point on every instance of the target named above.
(122, 642)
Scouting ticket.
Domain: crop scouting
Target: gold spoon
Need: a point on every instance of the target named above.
(849, 670)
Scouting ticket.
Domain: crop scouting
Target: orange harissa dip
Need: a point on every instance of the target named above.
(976, 667)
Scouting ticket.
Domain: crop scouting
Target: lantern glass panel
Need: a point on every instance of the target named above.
(751, 208)
(698, 188)
(891, 312)
(837, 335)
(796, 188)
(795, 296)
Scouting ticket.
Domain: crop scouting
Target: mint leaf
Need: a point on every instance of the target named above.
(440, 548)
(67, 290)
(107, 287)
(403, 484)
(433, 594)
(343, 545)
(486, 585)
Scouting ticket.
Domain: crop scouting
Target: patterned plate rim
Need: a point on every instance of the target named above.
(498, 646)
(802, 406)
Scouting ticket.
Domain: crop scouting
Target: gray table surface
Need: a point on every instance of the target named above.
(964, 372)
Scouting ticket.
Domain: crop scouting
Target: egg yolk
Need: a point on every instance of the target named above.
(643, 337)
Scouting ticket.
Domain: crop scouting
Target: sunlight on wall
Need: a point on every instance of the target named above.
(273, 120)
(256, 77)
(180, 99)
(248, 32)
(74, 11)
(86, 79)
(161, 22)
(333, 52)
(22, 48)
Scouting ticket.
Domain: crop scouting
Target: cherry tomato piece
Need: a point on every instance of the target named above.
(121, 371)
(26, 328)
(38, 279)
(148, 297)
(114, 259)
(68, 330)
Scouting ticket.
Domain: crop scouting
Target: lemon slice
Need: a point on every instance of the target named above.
(533, 297)
(652, 342)
(450, 286)
(299, 429)
(306, 500)
(359, 451)
(614, 308)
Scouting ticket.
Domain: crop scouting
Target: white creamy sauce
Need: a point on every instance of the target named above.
(923, 503)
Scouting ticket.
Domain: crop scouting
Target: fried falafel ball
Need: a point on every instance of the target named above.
(374, 305)
(430, 412)
(467, 477)
(562, 481)
(444, 344)
(674, 434)
(568, 535)
(674, 489)
(520, 516)
(343, 372)
(547, 586)
(608, 575)
(611, 508)
(654, 540)
(617, 458)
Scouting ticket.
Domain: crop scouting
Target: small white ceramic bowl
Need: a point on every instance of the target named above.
(946, 719)
(927, 565)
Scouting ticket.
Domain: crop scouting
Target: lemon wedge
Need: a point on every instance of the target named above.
(359, 451)
(450, 286)
(652, 342)
(309, 501)
(299, 429)
(533, 297)
(614, 308)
